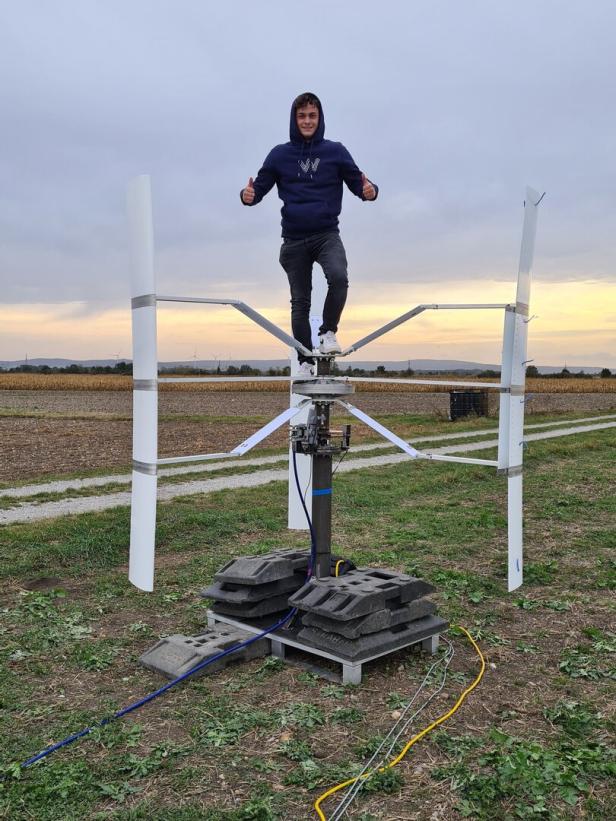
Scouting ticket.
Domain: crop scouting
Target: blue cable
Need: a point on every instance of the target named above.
(137, 704)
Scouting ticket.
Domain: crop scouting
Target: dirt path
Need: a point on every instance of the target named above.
(26, 512)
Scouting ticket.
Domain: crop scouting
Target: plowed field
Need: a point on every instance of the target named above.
(45, 433)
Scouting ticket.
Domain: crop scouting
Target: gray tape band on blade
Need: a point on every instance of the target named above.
(521, 308)
(510, 472)
(517, 390)
(145, 384)
(143, 301)
(145, 467)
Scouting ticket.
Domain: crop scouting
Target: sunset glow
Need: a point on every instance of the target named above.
(575, 322)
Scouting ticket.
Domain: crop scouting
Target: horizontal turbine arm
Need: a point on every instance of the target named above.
(442, 382)
(222, 378)
(199, 299)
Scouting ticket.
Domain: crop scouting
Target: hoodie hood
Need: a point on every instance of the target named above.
(294, 131)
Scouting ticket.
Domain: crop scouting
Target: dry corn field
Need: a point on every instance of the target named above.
(114, 382)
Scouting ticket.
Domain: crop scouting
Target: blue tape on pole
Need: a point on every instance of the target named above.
(325, 492)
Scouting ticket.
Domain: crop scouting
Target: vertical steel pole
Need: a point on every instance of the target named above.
(322, 499)
(145, 386)
(517, 339)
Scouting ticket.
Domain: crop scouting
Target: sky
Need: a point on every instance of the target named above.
(452, 108)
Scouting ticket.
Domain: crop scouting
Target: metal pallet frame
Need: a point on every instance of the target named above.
(351, 670)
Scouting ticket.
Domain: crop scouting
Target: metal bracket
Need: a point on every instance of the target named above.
(145, 467)
(143, 301)
(510, 472)
(145, 384)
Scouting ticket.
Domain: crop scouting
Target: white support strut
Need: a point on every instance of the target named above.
(385, 432)
(296, 518)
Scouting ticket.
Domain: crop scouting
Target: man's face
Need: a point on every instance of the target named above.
(307, 119)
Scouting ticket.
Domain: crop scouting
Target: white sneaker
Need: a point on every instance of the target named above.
(329, 343)
(305, 371)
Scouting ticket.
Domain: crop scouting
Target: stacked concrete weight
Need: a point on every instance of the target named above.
(366, 612)
(252, 587)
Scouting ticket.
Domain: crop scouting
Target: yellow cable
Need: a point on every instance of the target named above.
(414, 740)
(338, 563)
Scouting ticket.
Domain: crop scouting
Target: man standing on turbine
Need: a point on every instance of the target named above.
(309, 172)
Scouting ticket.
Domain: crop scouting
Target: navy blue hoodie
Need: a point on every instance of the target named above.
(309, 177)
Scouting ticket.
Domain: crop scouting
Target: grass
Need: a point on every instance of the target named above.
(261, 740)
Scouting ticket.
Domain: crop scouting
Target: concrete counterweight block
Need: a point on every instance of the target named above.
(390, 640)
(271, 567)
(252, 587)
(358, 593)
(366, 612)
(241, 593)
(373, 622)
(271, 607)
(175, 655)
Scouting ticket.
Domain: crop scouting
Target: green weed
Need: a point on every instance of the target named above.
(573, 718)
(590, 661)
(229, 724)
(532, 779)
(295, 750)
(301, 715)
(540, 573)
(347, 715)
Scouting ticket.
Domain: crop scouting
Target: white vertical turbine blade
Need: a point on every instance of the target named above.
(142, 531)
(515, 414)
(515, 565)
(505, 396)
(145, 387)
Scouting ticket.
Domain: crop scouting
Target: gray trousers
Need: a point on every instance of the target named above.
(297, 256)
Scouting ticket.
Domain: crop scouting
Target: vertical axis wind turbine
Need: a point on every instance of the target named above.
(325, 388)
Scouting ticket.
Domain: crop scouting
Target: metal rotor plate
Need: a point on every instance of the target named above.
(323, 388)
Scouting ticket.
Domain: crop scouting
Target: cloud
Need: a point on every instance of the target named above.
(453, 110)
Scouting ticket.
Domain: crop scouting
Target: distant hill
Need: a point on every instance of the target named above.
(418, 365)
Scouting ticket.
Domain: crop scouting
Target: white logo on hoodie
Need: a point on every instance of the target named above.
(306, 165)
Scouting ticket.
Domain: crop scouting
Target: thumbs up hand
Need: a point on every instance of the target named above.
(248, 193)
(367, 188)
